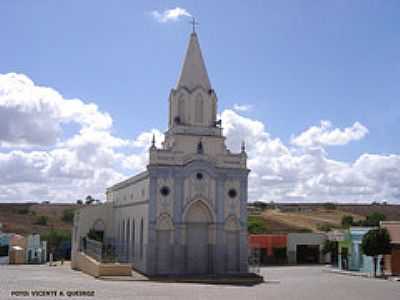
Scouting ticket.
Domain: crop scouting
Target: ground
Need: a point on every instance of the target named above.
(299, 282)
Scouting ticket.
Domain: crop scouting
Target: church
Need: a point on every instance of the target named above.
(186, 214)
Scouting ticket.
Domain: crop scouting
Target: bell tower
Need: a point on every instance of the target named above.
(193, 102)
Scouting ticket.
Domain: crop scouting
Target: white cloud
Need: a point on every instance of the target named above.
(282, 173)
(325, 135)
(37, 162)
(34, 115)
(170, 15)
(242, 107)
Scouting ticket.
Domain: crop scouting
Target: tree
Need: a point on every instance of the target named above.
(374, 219)
(42, 220)
(376, 242)
(79, 201)
(329, 206)
(325, 227)
(329, 247)
(68, 215)
(55, 238)
(347, 221)
(89, 199)
(256, 225)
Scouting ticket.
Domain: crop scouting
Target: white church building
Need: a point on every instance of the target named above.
(186, 214)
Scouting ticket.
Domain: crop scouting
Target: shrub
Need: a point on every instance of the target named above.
(330, 206)
(279, 253)
(95, 235)
(256, 225)
(41, 220)
(55, 238)
(329, 247)
(374, 219)
(324, 227)
(304, 230)
(23, 211)
(68, 215)
(347, 221)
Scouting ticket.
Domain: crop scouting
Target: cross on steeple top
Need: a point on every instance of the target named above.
(194, 23)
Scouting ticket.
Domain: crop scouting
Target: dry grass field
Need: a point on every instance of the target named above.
(310, 220)
(21, 218)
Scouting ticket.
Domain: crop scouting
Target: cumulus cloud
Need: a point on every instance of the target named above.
(242, 107)
(37, 162)
(170, 15)
(325, 135)
(33, 115)
(282, 172)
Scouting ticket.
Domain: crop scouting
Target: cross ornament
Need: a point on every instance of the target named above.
(194, 23)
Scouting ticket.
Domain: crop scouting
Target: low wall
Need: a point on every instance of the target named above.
(92, 267)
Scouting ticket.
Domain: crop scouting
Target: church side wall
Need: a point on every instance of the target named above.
(85, 219)
(131, 210)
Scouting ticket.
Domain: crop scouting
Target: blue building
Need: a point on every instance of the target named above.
(351, 256)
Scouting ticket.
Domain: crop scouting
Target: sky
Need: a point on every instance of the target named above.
(311, 86)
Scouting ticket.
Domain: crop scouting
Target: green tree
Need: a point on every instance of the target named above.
(374, 219)
(41, 220)
(347, 221)
(95, 235)
(376, 242)
(55, 237)
(68, 215)
(89, 199)
(324, 227)
(23, 211)
(329, 247)
(330, 206)
(256, 225)
(79, 202)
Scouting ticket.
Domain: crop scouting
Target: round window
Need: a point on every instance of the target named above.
(232, 193)
(164, 191)
(199, 176)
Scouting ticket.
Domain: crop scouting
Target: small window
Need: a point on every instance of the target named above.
(165, 191)
(232, 193)
(199, 176)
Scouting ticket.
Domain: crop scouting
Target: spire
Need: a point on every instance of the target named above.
(193, 73)
(153, 143)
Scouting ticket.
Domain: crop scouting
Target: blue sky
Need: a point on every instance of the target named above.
(295, 62)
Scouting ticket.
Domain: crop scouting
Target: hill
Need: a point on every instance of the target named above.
(23, 218)
(319, 217)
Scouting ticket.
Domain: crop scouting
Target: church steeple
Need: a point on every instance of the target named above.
(193, 73)
(193, 103)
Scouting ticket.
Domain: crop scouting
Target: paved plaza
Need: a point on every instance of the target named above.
(300, 282)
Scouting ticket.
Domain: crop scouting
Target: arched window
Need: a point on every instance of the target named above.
(141, 238)
(133, 238)
(128, 236)
(199, 113)
(123, 238)
(181, 108)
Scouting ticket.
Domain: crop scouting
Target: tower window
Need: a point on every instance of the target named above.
(232, 193)
(199, 176)
(164, 191)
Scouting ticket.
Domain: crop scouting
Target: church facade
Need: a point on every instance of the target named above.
(186, 214)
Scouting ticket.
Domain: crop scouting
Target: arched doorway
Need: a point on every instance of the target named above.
(198, 219)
